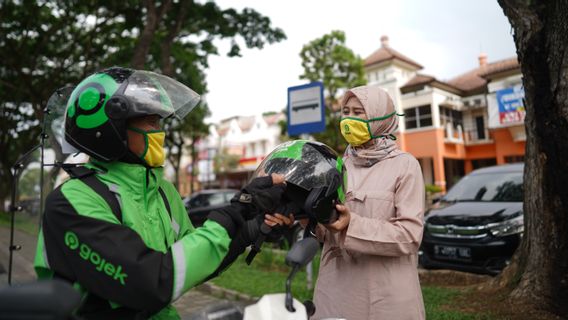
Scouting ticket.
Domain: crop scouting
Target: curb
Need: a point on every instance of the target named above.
(451, 277)
(229, 294)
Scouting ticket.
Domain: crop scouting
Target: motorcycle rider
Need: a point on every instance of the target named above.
(118, 230)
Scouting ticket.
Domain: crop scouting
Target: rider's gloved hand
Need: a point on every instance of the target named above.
(246, 235)
(260, 196)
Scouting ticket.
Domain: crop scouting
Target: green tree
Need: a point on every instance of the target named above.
(224, 162)
(183, 135)
(327, 59)
(28, 186)
(48, 44)
(539, 272)
(45, 45)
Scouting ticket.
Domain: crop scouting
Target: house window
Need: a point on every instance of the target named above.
(480, 126)
(418, 117)
(448, 115)
(514, 159)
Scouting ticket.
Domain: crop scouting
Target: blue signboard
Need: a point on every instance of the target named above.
(306, 109)
(511, 107)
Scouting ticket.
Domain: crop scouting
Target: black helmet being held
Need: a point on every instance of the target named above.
(314, 176)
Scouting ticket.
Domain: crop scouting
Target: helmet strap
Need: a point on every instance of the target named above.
(131, 157)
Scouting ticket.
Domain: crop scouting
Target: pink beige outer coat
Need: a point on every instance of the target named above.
(370, 270)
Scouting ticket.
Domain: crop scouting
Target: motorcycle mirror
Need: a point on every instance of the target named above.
(302, 252)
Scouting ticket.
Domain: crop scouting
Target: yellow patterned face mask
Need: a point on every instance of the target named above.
(153, 154)
(357, 131)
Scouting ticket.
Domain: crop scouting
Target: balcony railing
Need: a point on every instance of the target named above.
(458, 135)
(452, 134)
(474, 137)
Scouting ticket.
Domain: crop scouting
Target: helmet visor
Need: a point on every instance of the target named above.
(307, 164)
(55, 121)
(152, 93)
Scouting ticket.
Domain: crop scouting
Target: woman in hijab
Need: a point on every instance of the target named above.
(368, 266)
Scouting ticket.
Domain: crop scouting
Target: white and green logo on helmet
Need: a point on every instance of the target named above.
(89, 99)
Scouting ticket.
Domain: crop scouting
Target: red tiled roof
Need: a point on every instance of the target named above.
(386, 53)
(419, 79)
(474, 79)
(245, 123)
(502, 66)
(273, 118)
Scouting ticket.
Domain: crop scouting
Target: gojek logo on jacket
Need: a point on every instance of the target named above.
(101, 265)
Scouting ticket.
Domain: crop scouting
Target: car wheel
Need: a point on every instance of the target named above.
(423, 260)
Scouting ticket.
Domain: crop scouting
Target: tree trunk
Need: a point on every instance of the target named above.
(167, 67)
(193, 162)
(173, 139)
(541, 266)
(178, 156)
(153, 18)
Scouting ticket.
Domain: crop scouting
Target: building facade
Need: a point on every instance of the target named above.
(452, 127)
(234, 148)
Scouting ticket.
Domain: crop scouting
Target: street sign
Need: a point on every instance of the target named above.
(306, 109)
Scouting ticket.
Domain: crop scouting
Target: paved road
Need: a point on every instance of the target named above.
(189, 305)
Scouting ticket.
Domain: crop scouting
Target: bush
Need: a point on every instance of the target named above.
(432, 188)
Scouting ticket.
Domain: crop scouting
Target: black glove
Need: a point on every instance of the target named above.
(244, 237)
(258, 197)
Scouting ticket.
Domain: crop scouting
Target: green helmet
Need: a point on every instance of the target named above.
(314, 175)
(99, 107)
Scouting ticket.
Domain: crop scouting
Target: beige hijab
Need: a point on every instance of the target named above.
(377, 103)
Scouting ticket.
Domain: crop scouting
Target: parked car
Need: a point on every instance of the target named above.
(201, 203)
(478, 225)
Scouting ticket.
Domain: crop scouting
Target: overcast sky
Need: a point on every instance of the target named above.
(445, 36)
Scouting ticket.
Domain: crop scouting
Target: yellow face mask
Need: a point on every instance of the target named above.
(357, 131)
(153, 154)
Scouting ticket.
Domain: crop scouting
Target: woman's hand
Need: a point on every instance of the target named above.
(278, 219)
(342, 221)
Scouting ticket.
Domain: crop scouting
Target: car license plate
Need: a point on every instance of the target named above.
(454, 253)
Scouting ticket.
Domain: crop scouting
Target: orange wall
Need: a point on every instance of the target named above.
(454, 151)
(431, 144)
(424, 144)
(505, 146)
(428, 144)
(480, 151)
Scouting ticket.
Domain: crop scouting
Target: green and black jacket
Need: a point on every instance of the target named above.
(136, 266)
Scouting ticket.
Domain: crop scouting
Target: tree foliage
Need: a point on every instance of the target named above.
(329, 60)
(224, 162)
(49, 44)
(44, 45)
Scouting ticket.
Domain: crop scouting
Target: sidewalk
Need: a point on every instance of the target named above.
(22, 261)
(189, 305)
